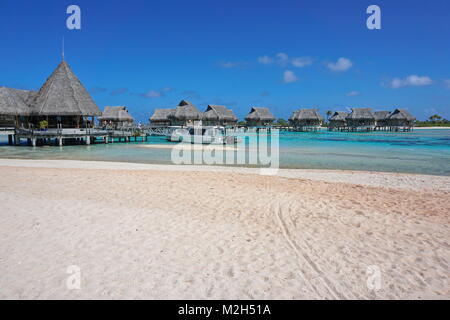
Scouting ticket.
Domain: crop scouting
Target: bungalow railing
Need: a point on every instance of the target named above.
(59, 132)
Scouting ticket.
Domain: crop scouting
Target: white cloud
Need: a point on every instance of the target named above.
(229, 64)
(289, 77)
(301, 62)
(353, 94)
(152, 94)
(265, 60)
(412, 81)
(282, 59)
(342, 65)
(157, 93)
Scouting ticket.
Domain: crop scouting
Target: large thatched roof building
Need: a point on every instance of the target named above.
(61, 100)
(361, 119)
(338, 121)
(185, 114)
(116, 116)
(306, 120)
(63, 95)
(259, 117)
(161, 117)
(219, 116)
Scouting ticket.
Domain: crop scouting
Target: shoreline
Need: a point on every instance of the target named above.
(367, 178)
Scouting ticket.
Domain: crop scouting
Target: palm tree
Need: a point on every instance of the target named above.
(435, 117)
(329, 114)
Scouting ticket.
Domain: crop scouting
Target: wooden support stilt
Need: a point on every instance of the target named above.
(33, 142)
(88, 140)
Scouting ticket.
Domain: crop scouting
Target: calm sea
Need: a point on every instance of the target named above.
(421, 151)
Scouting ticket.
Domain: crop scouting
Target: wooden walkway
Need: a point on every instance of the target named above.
(74, 136)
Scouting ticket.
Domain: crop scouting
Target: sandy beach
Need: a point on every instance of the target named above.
(141, 231)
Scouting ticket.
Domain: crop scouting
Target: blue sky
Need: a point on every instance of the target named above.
(280, 54)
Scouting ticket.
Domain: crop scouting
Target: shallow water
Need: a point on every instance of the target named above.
(421, 151)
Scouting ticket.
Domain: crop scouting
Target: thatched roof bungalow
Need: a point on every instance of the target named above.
(361, 119)
(338, 121)
(14, 107)
(381, 118)
(161, 117)
(116, 116)
(306, 120)
(185, 114)
(259, 117)
(219, 116)
(63, 99)
(400, 118)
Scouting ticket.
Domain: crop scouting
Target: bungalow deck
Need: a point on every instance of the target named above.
(73, 136)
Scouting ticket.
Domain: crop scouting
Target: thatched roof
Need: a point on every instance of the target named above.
(63, 95)
(219, 113)
(261, 114)
(13, 102)
(307, 114)
(381, 115)
(401, 114)
(116, 114)
(360, 114)
(186, 111)
(339, 116)
(162, 114)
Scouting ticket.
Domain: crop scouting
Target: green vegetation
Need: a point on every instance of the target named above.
(434, 121)
(43, 124)
(137, 133)
(281, 122)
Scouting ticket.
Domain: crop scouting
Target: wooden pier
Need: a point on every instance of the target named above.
(59, 137)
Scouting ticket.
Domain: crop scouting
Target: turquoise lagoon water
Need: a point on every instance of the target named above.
(421, 151)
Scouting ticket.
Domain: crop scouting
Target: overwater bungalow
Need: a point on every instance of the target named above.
(361, 119)
(219, 116)
(14, 109)
(259, 117)
(306, 120)
(381, 120)
(186, 114)
(338, 121)
(63, 102)
(116, 118)
(400, 120)
(161, 117)
(61, 110)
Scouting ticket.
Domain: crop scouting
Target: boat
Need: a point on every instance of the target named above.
(202, 135)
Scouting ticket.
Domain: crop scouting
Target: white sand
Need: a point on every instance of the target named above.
(428, 128)
(162, 232)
